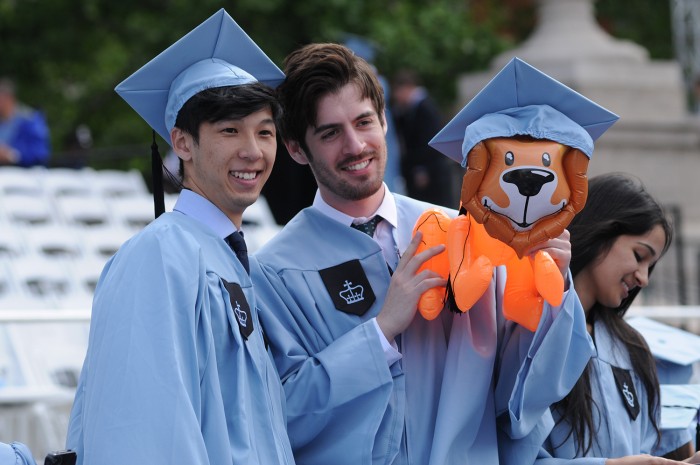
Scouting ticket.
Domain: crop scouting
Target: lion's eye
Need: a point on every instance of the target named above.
(510, 159)
(546, 159)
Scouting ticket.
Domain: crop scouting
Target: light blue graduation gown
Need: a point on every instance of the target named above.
(168, 377)
(438, 404)
(617, 435)
(15, 454)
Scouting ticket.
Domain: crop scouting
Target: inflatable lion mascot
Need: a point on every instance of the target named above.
(526, 141)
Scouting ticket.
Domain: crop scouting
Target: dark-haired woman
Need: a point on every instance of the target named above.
(611, 416)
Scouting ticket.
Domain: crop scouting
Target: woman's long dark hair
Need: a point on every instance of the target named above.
(617, 205)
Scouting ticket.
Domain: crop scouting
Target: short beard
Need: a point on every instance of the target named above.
(361, 192)
(349, 191)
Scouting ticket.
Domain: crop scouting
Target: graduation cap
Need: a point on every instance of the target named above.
(668, 342)
(217, 53)
(680, 404)
(680, 409)
(521, 100)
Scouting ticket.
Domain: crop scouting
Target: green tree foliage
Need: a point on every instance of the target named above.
(645, 22)
(67, 56)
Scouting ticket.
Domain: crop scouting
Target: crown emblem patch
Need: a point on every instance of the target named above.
(348, 287)
(625, 385)
(240, 307)
(353, 294)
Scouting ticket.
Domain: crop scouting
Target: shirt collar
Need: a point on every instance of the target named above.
(387, 210)
(201, 209)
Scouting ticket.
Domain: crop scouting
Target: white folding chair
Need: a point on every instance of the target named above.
(47, 281)
(88, 211)
(115, 183)
(59, 182)
(12, 242)
(23, 209)
(6, 284)
(54, 241)
(15, 180)
(104, 241)
(86, 274)
(134, 212)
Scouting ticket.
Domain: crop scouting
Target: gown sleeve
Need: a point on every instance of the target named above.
(536, 370)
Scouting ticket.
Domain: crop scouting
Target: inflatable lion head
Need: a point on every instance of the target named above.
(524, 190)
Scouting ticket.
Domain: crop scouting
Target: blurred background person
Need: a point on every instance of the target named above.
(24, 133)
(428, 175)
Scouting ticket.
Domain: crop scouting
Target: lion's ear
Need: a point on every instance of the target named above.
(575, 168)
(477, 162)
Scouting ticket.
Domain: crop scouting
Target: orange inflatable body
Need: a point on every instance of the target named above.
(470, 257)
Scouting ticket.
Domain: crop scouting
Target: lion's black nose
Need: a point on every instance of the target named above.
(528, 181)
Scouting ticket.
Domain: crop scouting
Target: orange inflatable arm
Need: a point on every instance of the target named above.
(433, 223)
(470, 269)
(530, 283)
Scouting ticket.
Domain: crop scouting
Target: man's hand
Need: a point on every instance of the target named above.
(406, 287)
(559, 249)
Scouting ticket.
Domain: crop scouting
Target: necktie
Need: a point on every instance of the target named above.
(368, 227)
(237, 244)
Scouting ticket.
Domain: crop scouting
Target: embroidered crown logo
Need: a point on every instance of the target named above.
(628, 395)
(241, 315)
(353, 294)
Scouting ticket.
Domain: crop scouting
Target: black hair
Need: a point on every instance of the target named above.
(225, 103)
(617, 204)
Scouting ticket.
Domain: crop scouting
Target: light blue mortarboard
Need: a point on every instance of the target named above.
(680, 404)
(216, 53)
(668, 342)
(521, 100)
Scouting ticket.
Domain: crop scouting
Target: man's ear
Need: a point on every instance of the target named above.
(181, 143)
(383, 121)
(297, 153)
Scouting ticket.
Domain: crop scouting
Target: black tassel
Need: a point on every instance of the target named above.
(450, 302)
(157, 176)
